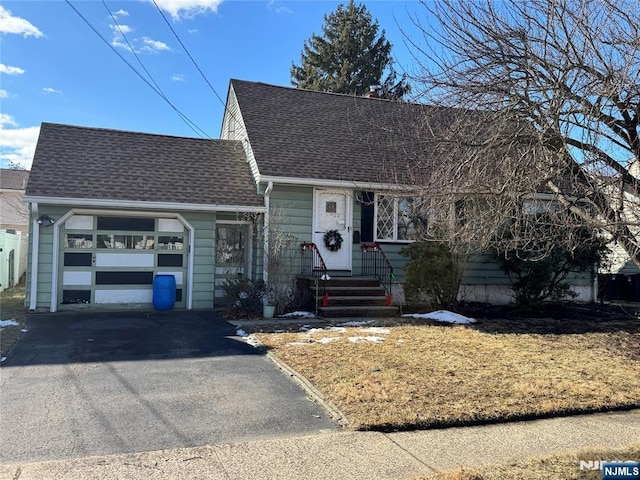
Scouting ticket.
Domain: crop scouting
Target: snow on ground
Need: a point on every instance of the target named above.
(366, 339)
(443, 316)
(298, 315)
(306, 333)
(380, 330)
(8, 323)
(250, 339)
(356, 323)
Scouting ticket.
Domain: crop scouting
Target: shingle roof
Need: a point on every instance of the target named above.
(81, 162)
(11, 179)
(307, 134)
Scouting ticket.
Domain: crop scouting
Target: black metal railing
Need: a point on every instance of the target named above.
(376, 264)
(313, 264)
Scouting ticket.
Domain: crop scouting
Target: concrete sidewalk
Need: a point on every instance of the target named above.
(351, 455)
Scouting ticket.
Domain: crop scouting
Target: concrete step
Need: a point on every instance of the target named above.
(340, 291)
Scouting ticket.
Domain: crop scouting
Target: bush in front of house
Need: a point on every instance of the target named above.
(540, 272)
(432, 274)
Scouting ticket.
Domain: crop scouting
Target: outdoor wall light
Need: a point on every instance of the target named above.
(45, 220)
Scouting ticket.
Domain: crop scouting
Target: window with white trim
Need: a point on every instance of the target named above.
(397, 218)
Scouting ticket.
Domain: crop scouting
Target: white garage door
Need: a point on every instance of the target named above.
(114, 259)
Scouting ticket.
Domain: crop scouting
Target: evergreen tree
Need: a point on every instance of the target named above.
(349, 58)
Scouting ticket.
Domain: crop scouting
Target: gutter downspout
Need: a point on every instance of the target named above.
(265, 253)
(35, 243)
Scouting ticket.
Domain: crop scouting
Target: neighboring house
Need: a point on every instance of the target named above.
(116, 208)
(14, 226)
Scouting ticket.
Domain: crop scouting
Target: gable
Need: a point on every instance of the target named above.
(297, 133)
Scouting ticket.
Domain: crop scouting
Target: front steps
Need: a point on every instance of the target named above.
(350, 297)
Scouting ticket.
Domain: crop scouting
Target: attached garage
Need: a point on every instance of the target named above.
(112, 210)
(114, 259)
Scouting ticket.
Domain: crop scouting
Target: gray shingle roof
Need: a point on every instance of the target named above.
(307, 134)
(80, 162)
(11, 179)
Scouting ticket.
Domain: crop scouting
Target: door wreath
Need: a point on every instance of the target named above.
(333, 240)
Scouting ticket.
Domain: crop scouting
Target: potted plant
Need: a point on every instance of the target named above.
(268, 303)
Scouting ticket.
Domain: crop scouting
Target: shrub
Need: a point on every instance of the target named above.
(242, 295)
(540, 274)
(433, 274)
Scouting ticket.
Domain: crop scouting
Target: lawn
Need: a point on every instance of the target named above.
(11, 308)
(558, 466)
(425, 374)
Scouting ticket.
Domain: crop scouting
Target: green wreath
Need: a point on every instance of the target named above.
(333, 240)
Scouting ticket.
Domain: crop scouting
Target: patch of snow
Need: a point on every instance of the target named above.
(442, 316)
(400, 341)
(356, 323)
(249, 339)
(297, 344)
(380, 330)
(326, 340)
(328, 329)
(299, 315)
(366, 339)
(304, 328)
(8, 323)
(3, 359)
(24, 330)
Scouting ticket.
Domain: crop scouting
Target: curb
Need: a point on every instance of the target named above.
(312, 392)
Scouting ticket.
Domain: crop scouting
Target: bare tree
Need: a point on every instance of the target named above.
(540, 100)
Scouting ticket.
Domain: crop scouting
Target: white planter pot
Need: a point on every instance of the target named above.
(268, 311)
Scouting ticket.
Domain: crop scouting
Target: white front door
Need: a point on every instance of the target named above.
(333, 211)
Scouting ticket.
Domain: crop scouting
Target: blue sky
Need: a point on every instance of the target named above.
(54, 68)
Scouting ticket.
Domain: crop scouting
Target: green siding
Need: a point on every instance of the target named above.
(292, 209)
(203, 258)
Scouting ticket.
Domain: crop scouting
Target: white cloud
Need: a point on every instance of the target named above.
(118, 32)
(280, 10)
(4, 93)
(6, 119)
(17, 25)
(152, 46)
(17, 145)
(178, 77)
(121, 13)
(193, 31)
(120, 29)
(48, 90)
(179, 9)
(137, 45)
(10, 70)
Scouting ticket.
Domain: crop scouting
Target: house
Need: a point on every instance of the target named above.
(112, 209)
(14, 226)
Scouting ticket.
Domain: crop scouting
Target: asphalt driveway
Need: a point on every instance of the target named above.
(91, 384)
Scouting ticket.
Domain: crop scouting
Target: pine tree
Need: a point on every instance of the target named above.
(349, 58)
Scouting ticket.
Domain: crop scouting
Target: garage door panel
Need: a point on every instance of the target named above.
(124, 259)
(124, 296)
(76, 278)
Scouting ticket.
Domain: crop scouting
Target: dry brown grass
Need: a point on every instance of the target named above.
(433, 376)
(556, 467)
(11, 308)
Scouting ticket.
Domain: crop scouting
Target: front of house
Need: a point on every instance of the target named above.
(110, 210)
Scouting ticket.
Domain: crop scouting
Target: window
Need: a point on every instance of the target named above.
(398, 218)
(230, 245)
